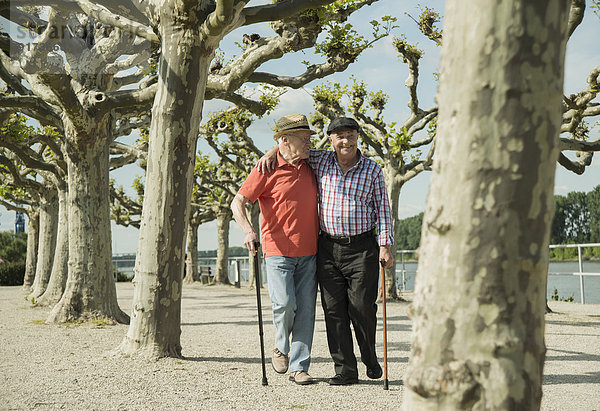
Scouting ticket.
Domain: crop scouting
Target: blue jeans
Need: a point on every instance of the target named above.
(293, 290)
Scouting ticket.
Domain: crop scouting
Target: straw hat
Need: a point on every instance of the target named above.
(290, 123)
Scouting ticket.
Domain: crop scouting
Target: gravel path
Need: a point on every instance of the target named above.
(71, 367)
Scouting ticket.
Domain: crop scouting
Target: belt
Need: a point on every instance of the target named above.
(340, 239)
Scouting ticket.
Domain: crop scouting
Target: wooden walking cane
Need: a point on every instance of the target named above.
(260, 322)
(385, 373)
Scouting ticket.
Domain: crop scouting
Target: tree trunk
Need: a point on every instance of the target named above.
(90, 290)
(391, 291)
(223, 219)
(191, 259)
(155, 320)
(33, 235)
(46, 245)
(60, 266)
(253, 213)
(478, 313)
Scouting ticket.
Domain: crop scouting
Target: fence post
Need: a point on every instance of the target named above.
(581, 288)
(237, 273)
(403, 273)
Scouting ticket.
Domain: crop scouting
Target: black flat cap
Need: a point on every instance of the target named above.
(342, 122)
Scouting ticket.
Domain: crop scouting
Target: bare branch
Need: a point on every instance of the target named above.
(116, 20)
(253, 106)
(12, 81)
(579, 145)
(279, 10)
(127, 154)
(576, 15)
(134, 78)
(573, 166)
(219, 19)
(128, 98)
(24, 19)
(14, 207)
(420, 125)
(29, 157)
(127, 125)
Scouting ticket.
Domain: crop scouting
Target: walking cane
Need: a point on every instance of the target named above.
(260, 323)
(385, 373)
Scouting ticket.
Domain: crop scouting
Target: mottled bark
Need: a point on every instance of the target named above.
(58, 276)
(478, 313)
(391, 291)
(90, 290)
(223, 221)
(33, 235)
(46, 245)
(156, 315)
(191, 257)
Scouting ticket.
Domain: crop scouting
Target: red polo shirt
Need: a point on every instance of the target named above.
(288, 203)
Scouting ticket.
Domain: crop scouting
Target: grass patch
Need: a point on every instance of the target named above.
(38, 322)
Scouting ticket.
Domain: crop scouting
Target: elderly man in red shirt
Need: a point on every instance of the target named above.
(290, 226)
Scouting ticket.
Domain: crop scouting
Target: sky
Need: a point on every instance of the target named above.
(381, 69)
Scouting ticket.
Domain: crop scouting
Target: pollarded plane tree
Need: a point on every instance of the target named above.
(78, 92)
(18, 200)
(478, 312)
(226, 133)
(189, 34)
(126, 210)
(200, 213)
(38, 167)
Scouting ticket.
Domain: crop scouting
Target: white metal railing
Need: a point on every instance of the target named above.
(581, 274)
(401, 269)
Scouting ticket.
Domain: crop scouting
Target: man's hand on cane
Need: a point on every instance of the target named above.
(250, 241)
(385, 256)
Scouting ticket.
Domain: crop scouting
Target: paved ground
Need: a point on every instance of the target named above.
(72, 367)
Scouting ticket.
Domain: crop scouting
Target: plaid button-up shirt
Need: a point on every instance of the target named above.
(355, 202)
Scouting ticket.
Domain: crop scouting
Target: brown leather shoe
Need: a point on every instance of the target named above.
(301, 378)
(280, 361)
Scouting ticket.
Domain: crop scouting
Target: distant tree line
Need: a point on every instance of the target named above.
(576, 218)
(408, 234)
(13, 247)
(576, 221)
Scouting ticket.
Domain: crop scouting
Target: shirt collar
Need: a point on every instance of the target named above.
(358, 163)
(282, 163)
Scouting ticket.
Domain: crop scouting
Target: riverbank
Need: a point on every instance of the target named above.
(72, 367)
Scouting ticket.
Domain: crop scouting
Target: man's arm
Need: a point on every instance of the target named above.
(267, 162)
(238, 207)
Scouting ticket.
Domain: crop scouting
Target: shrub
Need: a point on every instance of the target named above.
(13, 247)
(555, 297)
(122, 277)
(12, 273)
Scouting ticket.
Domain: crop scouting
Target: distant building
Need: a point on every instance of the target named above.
(20, 223)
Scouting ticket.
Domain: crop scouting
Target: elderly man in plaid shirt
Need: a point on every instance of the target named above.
(356, 234)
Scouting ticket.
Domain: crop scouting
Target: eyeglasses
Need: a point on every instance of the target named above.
(306, 139)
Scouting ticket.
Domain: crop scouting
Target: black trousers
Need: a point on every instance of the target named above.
(348, 279)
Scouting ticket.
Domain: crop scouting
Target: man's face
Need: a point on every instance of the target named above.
(299, 142)
(344, 141)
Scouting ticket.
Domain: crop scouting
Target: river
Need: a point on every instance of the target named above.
(566, 285)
